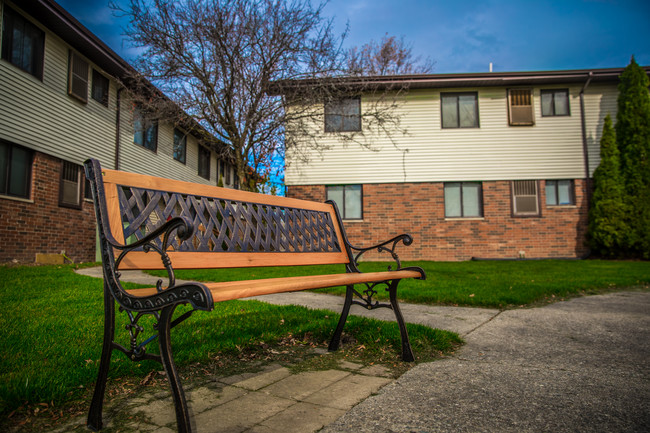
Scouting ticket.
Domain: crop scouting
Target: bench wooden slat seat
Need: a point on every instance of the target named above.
(147, 222)
(228, 290)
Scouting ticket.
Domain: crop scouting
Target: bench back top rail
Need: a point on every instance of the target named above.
(232, 228)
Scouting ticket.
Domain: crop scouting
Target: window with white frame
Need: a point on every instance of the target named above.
(15, 170)
(555, 102)
(343, 115)
(145, 130)
(559, 193)
(348, 198)
(204, 162)
(100, 88)
(459, 110)
(180, 145)
(463, 199)
(525, 200)
(23, 43)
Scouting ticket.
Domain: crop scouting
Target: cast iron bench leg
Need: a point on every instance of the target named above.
(164, 340)
(95, 412)
(407, 353)
(336, 338)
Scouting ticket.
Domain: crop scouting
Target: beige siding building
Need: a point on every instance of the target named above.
(488, 165)
(61, 103)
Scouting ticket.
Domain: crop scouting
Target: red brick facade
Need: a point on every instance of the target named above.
(419, 209)
(41, 225)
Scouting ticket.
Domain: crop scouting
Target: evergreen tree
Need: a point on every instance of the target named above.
(607, 227)
(633, 138)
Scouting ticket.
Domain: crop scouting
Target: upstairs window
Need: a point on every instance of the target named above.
(228, 170)
(520, 104)
(78, 77)
(145, 130)
(349, 200)
(343, 115)
(204, 162)
(70, 186)
(559, 193)
(459, 110)
(463, 200)
(555, 102)
(525, 201)
(15, 170)
(221, 172)
(180, 145)
(22, 43)
(100, 88)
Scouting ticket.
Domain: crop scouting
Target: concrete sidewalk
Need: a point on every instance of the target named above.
(581, 365)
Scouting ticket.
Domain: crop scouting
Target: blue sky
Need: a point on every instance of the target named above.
(465, 36)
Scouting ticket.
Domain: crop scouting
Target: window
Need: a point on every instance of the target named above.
(559, 192)
(524, 198)
(15, 170)
(343, 115)
(555, 102)
(78, 77)
(70, 187)
(520, 103)
(22, 43)
(100, 88)
(348, 198)
(88, 193)
(180, 145)
(221, 172)
(145, 131)
(459, 110)
(463, 200)
(227, 177)
(204, 162)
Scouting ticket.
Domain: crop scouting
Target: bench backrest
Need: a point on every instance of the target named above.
(232, 228)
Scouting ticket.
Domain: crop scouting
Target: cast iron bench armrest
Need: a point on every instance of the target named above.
(197, 294)
(388, 246)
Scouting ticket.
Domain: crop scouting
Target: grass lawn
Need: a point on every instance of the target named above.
(52, 322)
(496, 284)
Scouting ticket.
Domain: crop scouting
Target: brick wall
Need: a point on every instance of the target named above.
(419, 209)
(43, 226)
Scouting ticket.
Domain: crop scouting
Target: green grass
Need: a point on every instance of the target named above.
(52, 321)
(495, 284)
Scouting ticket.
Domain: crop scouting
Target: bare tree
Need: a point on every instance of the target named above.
(391, 56)
(250, 73)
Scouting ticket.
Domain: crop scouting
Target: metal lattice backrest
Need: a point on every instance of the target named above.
(226, 225)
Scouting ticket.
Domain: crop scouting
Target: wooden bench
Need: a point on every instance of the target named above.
(146, 222)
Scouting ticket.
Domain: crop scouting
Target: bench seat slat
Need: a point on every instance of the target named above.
(224, 291)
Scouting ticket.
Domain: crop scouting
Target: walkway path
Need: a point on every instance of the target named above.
(581, 365)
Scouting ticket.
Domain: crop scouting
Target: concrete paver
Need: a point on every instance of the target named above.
(299, 418)
(302, 385)
(347, 393)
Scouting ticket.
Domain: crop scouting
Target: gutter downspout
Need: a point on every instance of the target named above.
(585, 147)
(117, 128)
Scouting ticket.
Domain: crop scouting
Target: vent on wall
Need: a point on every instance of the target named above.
(524, 197)
(78, 77)
(520, 102)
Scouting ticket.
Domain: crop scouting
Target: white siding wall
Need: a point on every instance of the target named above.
(551, 149)
(600, 100)
(137, 159)
(42, 116)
